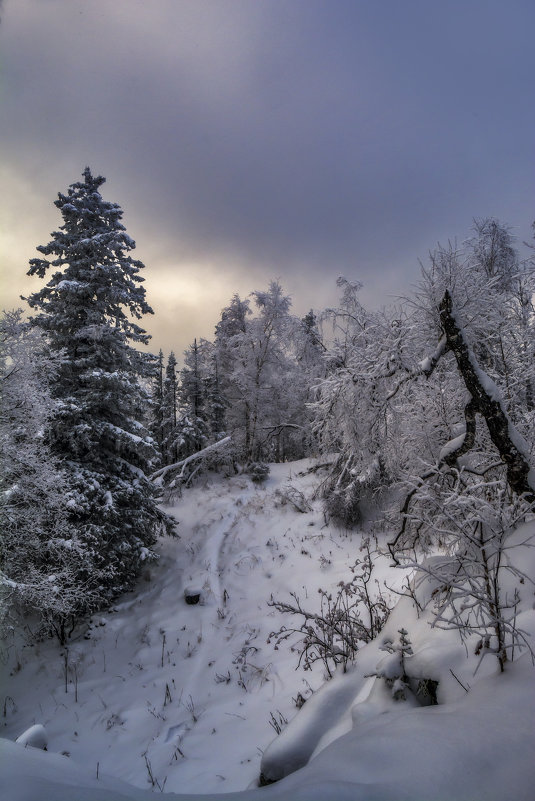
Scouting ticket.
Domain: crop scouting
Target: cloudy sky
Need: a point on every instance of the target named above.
(256, 139)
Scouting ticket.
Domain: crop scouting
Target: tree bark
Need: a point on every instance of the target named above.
(501, 429)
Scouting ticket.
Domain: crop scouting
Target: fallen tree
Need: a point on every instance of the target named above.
(178, 471)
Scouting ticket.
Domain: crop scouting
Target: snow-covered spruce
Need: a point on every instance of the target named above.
(88, 312)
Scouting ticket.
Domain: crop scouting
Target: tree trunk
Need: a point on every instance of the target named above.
(486, 403)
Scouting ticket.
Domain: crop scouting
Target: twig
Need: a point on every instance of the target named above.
(459, 681)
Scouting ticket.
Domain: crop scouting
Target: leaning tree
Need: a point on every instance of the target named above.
(431, 403)
(88, 311)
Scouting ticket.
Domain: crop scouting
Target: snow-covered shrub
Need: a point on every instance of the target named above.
(346, 619)
(343, 505)
(394, 669)
(477, 582)
(290, 494)
(258, 471)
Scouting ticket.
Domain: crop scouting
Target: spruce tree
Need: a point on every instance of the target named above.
(193, 420)
(169, 412)
(156, 416)
(88, 311)
(214, 400)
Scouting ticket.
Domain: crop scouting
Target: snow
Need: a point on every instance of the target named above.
(479, 748)
(121, 432)
(189, 689)
(426, 364)
(65, 284)
(451, 446)
(35, 737)
(322, 712)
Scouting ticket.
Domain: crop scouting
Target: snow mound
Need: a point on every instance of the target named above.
(477, 749)
(35, 737)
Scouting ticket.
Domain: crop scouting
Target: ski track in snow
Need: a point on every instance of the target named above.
(212, 564)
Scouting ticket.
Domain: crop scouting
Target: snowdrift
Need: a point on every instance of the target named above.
(480, 747)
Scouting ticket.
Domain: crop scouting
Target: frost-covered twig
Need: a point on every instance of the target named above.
(345, 620)
(424, 367)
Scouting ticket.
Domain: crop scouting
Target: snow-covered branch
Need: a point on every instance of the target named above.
(424, 367)
(159, 475)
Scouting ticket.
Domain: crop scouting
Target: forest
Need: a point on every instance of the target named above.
(415, 424)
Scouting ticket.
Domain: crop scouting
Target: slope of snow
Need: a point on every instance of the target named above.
(477, 749)
(190, 689)
(185, 694)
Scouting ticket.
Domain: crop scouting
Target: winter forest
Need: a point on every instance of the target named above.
(297, 557)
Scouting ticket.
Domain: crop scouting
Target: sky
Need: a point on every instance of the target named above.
(248, 140)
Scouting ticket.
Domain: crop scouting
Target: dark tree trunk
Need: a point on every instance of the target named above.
(498, 423)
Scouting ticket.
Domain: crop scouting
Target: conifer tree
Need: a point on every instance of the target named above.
(88, 311)
(193, 422)
(169, 411)
(214, 400)
(156, 420)
(310, 348)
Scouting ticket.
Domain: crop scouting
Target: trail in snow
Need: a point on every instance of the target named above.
(191, 689)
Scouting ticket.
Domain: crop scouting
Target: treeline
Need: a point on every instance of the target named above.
(255, 382)
(426, 409)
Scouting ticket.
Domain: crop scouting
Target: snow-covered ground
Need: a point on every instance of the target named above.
(161, 694)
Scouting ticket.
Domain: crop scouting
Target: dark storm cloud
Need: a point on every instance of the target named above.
(295, 138)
